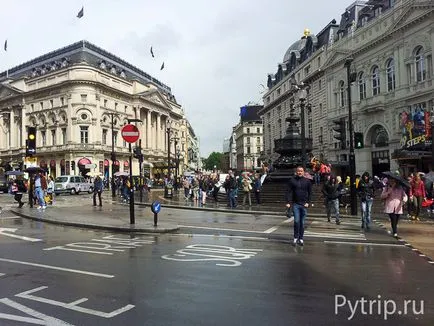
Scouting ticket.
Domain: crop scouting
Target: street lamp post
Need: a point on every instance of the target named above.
(175, 186)
(178, 159)
(352, 158)
(302, 98)
(432, 139)
(168, 147)
(113, 158)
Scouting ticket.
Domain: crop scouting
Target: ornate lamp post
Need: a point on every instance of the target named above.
(352, 158)
(113, 157)
(168, 125)
(302, 95)
(431, 119)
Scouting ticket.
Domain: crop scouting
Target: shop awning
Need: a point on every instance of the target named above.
(84, 161)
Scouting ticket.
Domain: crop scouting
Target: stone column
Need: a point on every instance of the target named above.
(69, 131)
(23, 135)
(148, 129)
(158, 132)
(12, 129)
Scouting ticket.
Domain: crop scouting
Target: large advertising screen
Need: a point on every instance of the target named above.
(415, 127)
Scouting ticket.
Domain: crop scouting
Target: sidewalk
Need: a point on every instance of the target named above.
(109, 217)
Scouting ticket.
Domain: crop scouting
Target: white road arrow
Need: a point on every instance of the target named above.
(4, 230)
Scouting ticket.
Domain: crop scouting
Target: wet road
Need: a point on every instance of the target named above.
(70, 276)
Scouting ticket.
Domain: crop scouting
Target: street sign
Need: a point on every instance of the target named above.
(31, 162)
(90, 166)
(156, 207)
(130, 133)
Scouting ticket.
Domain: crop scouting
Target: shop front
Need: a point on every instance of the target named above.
(415, 153)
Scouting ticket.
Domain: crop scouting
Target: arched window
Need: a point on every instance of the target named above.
(375, 80)
(341, 93)
(362, 86)
(420, 65)
(390, 72)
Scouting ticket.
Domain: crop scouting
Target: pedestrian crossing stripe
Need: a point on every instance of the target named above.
(335, 235)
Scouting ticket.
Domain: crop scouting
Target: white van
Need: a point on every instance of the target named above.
(72, 184)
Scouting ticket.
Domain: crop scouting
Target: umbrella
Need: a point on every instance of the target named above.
(119, 174)
(94, 174)
(400, 180)
(430, 176)
(15, 173)
(34, 169)
(308, 176)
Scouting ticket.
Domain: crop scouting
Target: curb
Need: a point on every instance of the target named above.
(408, 245)
(150, 229)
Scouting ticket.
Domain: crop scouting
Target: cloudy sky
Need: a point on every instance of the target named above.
(216, 53)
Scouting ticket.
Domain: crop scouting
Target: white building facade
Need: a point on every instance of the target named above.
(79, 98)
(248, 140)
(390, 44)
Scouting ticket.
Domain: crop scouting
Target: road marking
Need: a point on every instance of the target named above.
(40, 318)
(229, 255)
(10, 218)
(217, 229)
(271, 230)
(3, 230)
(72, 305)
(1, 274)
(105, 245)
(274, 228)
(335, 235)
(223, 236)
(57, 268)
(365, 243)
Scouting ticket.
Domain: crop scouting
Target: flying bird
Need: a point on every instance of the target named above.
(80, 13)
(152, 53)
(162, 66)
(6, 45)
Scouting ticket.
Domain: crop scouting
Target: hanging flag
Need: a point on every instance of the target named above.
(6, 45)
(162, 66)
(80, 13)
(152, 52)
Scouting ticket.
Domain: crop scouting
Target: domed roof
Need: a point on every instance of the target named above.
(297, 46)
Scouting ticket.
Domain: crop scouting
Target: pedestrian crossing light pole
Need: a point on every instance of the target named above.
(352, 158)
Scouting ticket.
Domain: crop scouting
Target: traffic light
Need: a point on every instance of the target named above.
(341, 132)
(137, 152)
(358, 140)
(31, 141)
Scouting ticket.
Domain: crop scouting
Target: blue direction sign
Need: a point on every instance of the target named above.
(156, 207)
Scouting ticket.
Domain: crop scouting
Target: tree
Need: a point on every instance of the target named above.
(214, 159)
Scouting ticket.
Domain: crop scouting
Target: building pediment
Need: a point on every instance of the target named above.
(336, 57)
(414, 13)
(7, 91)
(155, 97)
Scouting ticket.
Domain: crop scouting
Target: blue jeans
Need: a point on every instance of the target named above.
(40, 196)
(232, 201)
(333, 204)
(366, 212)
(299, 212)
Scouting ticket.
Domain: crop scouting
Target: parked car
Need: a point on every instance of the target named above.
(73, 184)
(3, 184)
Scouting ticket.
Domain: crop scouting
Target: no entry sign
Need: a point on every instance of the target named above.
(130, 133)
